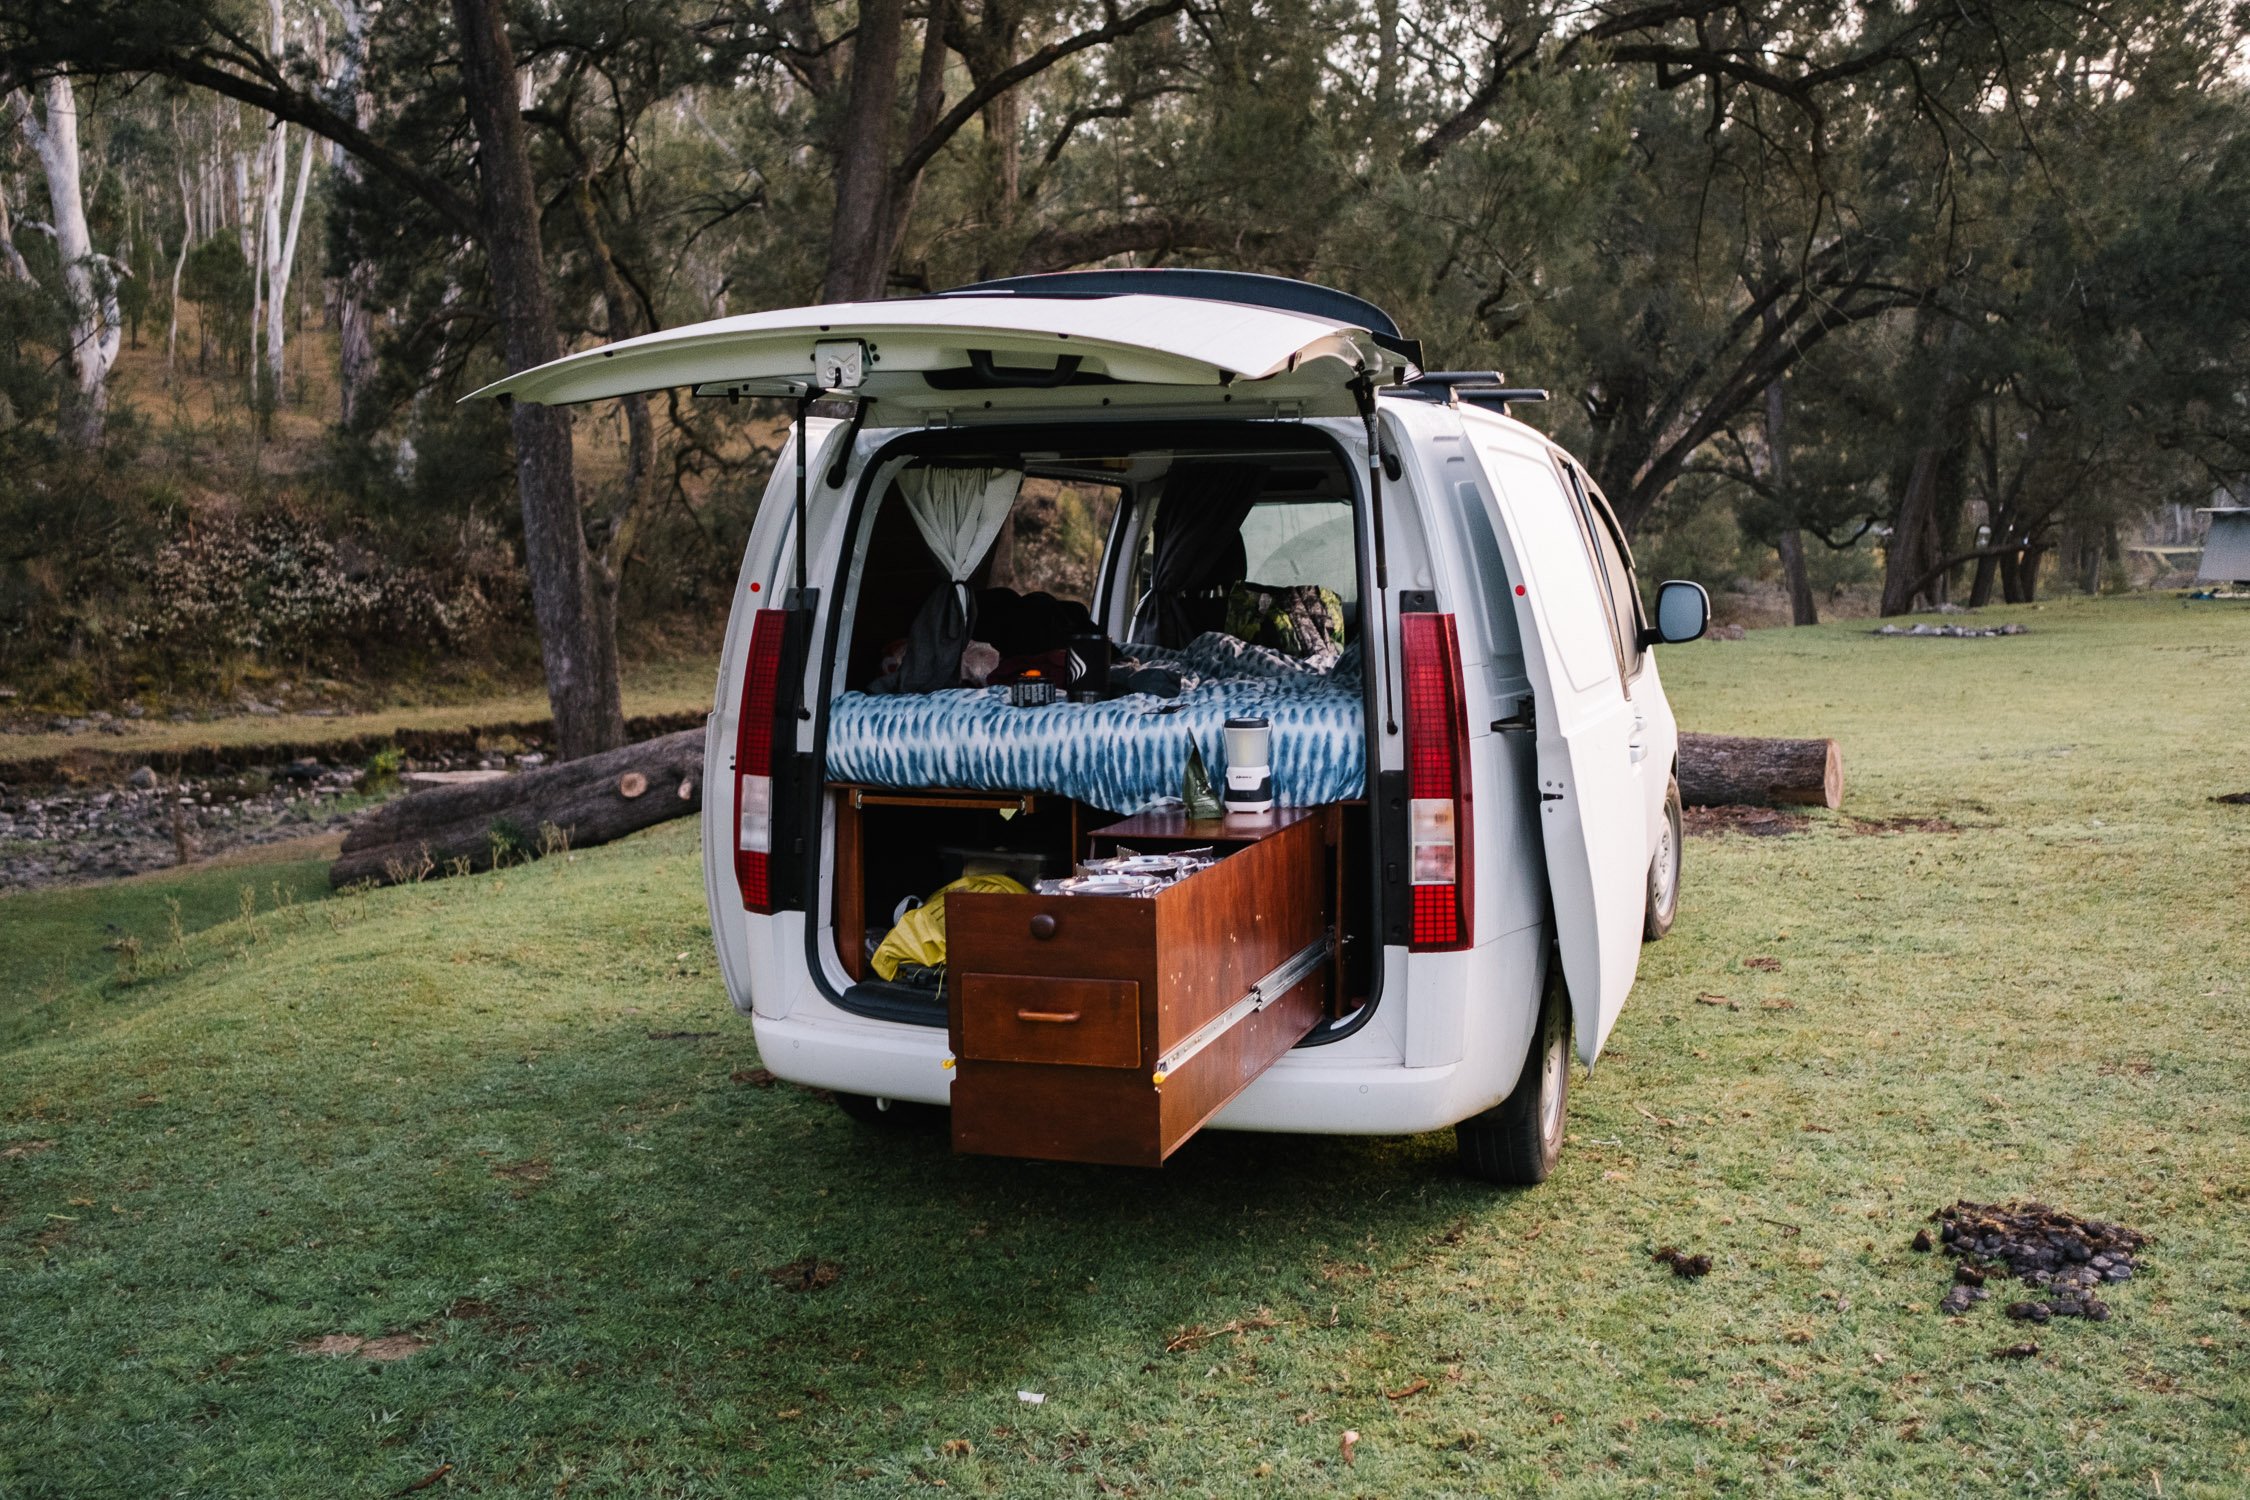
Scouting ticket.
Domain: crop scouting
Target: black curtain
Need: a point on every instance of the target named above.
(1199, 545)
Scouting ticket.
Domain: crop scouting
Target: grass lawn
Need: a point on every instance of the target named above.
(465, 1116)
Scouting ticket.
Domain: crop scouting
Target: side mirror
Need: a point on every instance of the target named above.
(1683, 612)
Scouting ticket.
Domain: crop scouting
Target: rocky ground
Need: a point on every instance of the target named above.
(70, 835)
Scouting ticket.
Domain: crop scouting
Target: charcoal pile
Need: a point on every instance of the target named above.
(2061, 1260)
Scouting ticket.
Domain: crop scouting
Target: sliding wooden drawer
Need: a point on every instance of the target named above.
(1111, 1028)
(1092, 1023)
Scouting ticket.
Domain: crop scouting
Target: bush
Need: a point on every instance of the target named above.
(278, 584)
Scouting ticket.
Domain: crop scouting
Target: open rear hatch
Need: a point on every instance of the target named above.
(998, 352)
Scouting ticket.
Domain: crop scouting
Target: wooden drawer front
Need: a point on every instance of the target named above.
(1017, 1018)
(1082, 937)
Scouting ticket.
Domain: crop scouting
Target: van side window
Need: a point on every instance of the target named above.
(1616, 571)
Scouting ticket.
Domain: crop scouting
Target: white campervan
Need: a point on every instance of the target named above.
(1059, 562)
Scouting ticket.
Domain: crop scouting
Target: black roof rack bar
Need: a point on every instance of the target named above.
(1485, 388)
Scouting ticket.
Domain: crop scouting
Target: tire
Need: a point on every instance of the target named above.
(1517, 1142)
(889, 1114)
(1664, 871)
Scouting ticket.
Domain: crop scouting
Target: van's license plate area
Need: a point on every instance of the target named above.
(1111, 1028)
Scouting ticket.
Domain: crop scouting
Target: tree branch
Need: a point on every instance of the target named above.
(949, 125)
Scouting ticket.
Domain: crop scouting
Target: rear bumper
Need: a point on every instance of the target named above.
(1313, 1091)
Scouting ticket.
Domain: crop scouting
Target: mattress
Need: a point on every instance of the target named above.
(1125, 755)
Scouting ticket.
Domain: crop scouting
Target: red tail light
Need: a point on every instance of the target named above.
(753, 760)
(1438, 825)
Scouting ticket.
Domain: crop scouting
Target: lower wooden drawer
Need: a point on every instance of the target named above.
(1084, 1022)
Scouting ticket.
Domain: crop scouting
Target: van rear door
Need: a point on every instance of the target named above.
(1591, 819)
(999, 354)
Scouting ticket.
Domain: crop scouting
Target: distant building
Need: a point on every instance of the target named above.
(2226, 546)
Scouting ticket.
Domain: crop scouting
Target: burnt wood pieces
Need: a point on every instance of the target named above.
(1720, 770)
(572, 805)
(1111, 1028)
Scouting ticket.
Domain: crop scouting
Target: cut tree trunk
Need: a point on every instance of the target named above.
(573, 805)
(1720, 770)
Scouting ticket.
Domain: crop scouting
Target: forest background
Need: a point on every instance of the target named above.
(1858, 307)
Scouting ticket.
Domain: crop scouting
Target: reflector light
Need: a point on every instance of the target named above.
(753, 761)
(1439, 866)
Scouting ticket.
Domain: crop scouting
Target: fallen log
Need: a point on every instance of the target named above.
(1722, 770)
(568, 806)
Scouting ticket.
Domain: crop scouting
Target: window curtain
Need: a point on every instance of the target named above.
(1199, 545)
(959, 513)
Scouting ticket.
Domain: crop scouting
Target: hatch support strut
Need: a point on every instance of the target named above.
(1363, 392)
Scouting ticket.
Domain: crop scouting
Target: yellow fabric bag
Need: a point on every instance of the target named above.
(919, 938)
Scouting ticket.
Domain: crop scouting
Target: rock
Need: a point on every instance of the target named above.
(143, 778)
(2030, 1312)
(1921, 1239)
(531, 759)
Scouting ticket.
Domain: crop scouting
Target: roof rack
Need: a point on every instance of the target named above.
(1488, 389)
(1245, 287)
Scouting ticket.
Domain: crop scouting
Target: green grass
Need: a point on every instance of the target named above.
(439, 1111)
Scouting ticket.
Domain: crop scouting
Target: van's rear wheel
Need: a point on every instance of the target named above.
(1517, 1143)
(1664, 871)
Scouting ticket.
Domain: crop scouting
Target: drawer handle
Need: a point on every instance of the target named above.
(1056, 1017)
(1043, 926)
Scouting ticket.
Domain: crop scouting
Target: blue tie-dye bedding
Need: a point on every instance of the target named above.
(1125, 755)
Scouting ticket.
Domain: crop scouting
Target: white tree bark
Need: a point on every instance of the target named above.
(187, 238)
(89, 280)
(281, 250)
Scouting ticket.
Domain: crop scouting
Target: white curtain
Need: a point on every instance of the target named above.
(959, 512)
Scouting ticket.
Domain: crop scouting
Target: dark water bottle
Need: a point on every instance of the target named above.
(1087, 680)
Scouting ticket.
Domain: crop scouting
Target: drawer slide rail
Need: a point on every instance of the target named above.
(1292, 972)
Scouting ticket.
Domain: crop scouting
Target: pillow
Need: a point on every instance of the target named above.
(1305, 620)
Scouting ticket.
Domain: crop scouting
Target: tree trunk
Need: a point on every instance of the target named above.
(11, 259)
(1718, 770)
(582, 802)
(1790, 544)
(95, 328)
(858, 235)
(580, 655)
(282, 252)
(1906, 559)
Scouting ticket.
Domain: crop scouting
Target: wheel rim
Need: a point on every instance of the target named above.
(1554, 1060)
(1664, 871)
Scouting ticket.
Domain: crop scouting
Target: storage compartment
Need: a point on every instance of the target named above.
(891, 845)
(1111, 1028)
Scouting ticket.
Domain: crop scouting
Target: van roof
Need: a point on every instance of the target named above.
(1243, 288)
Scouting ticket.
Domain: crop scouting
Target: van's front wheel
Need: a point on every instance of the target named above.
(1664, 871)
(1517, 1143)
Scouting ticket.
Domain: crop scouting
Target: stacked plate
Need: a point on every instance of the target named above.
(1102, 885)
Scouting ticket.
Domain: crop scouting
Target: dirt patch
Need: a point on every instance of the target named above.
(528, 1172)
(2061, 1260)
(1901, 825)
(386, 1350)
(1757, 822)
(807, 1273)
(22, 1149)
(757, 1078)
(1685, 1266)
